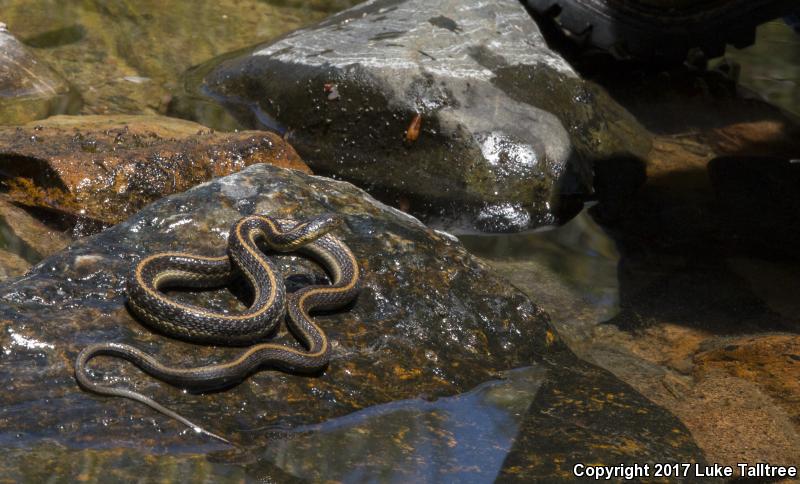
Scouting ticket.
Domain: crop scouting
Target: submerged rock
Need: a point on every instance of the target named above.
(125, 58)
(29, 89)
(25, 240)
(710, 340)
(768, 364)
(458, 107)
(11, 264)
(95, 171)
(430, 324)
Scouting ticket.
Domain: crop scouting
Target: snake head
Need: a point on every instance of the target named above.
(304, 232)
(322, 224)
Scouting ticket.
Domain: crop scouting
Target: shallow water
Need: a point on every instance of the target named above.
(576, 262)
(416, 440)
(423, 441)
(128, 57)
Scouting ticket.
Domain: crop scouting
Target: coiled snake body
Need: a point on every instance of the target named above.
(270, 302)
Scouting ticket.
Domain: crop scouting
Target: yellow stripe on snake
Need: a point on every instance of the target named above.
(163, 270)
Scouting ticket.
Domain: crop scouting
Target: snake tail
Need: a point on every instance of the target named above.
(135, 356)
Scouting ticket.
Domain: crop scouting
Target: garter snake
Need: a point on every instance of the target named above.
(162, 270)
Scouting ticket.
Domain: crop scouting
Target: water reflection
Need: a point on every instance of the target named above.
(14, 244)
(463, 438)
(570, 271)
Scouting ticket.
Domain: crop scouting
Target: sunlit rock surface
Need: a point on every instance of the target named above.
(436, 353)
(94, 171)
(29, 89)
(458, 108)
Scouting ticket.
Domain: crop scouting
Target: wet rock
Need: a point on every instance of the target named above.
(735, 420)
(11, 264)
(460, 108)
(465, 436)
(430, 340)
(94, 171)
(25, 235)
(535, 455)
(25, 240)
(29, 89)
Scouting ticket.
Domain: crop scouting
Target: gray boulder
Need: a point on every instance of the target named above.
(456, 110)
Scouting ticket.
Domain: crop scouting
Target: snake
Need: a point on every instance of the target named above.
(270, 302)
